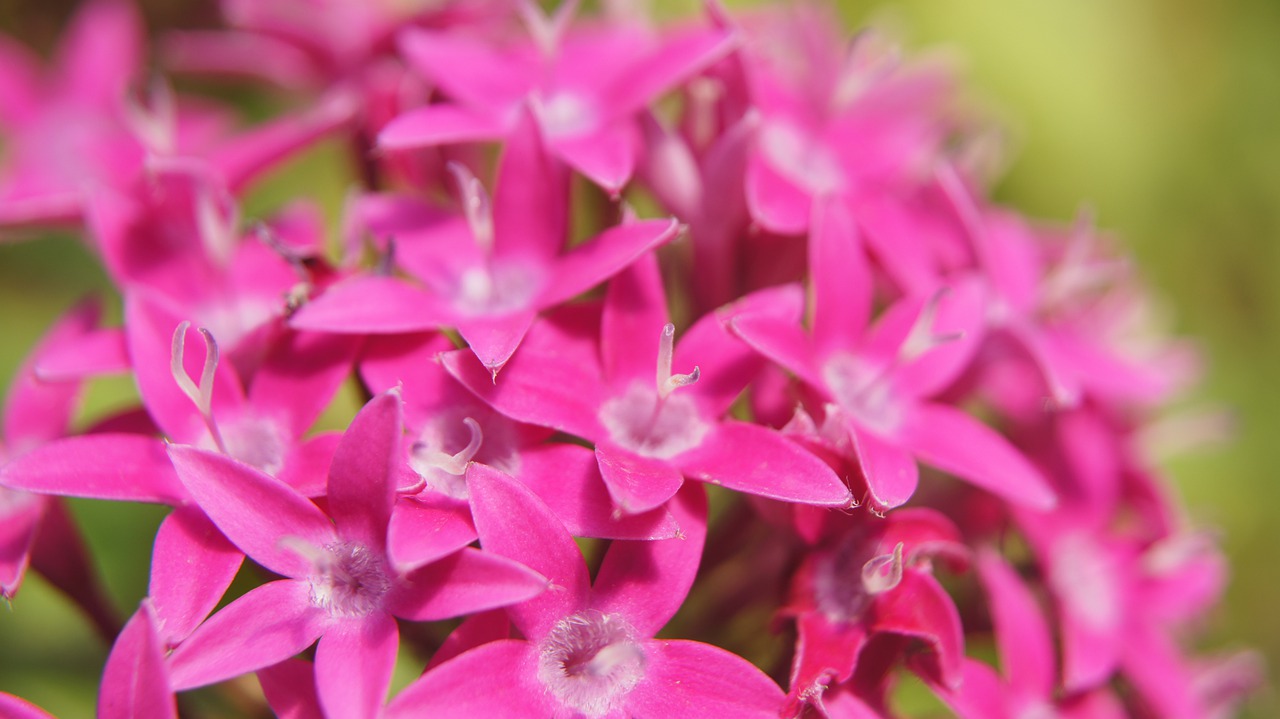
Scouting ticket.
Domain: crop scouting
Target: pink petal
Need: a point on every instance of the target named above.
(269, 624)
(97, 353)
(290, 689)
(672, 64)
(233, 53)
(567, 477)
(101, 52)
(757, 460)
(636, 483)
(442, 124)
(469, 70)
(920, 608)
(780, 340)
(606, 156)
(192, 565)
(246, 156)
(361, 482)
(961, 316)
(603, 256)
(426, 528)
(474, 631)
(12, 707)
(826, 654)
(464, 686)
(373, 305)
(635, 311)
(981, 694)
(514, 523)
(301, 375)
(306, 465)
(37, 410)
(462, 583)
(495, 339)
(257, 513)
(134, 681)
(647, 582)
(530, 200)
(954, 442)
(18, 527)
(692, 680)
(890, 471)
(20, 81)
(354, 661)
(125, 467)
(776, 203)
(841, 278)
(1022, 634)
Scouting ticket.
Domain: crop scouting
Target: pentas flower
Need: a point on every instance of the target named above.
(585, 85)
(835, 119)
(651, 427)
(875, 382)
(449, 427)
(492, 275)
(874, 577)
(588, 650)
(340, 585)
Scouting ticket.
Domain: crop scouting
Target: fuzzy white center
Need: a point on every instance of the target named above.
(500, 287)
(590, 661)
(653, 426)
(350, 580)
(569, 114)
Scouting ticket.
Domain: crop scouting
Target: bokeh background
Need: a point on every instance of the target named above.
(1163, 116)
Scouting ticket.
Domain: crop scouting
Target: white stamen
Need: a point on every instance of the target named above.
(201, 395)
(922, 336)
(668, 382)
(455, 464)
(882, 573)
(476, 206)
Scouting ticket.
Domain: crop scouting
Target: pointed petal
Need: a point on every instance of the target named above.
(635, 311)
(462, 583)
(952, 441)
(462, 686)
(676, 61)
(301, 375)
(495, 339)
(96, 353)
(775, 202)
(514, 523)
(606, 156)
(253, 510)
(648, 581)
(692, 680)
(373, 305)
(531, 198)
(354, 660)
(306, 465)
(826, 654)
(124, 467)
(1022, 634)
(603, 256)
(134, 681)
(18, 525)
(890, 471)
(192, 565)
(442, 124)
(468, 69)
(36, 409)
(101, 52)
(841, 278)
(757, 460)
(361, 482)
(567, 477)
(780, 340)
(12, 707)
(919, 607)
(636, 483)
(426, 528)
(474, 631)
(981, 694)
(290, 689)
(243, 158)
(269, 624)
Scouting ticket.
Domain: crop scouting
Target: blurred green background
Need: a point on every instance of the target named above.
(1161, 115)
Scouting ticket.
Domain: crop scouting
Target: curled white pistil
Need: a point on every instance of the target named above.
(200, 394)
(882, 573)
(475, 205)
(667, 382)
(456, 463)
(922, 336)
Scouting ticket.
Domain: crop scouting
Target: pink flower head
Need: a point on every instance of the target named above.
(588, 650)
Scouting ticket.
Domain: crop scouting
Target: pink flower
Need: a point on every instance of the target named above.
(587, 649)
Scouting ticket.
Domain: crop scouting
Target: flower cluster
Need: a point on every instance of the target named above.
(713, 321)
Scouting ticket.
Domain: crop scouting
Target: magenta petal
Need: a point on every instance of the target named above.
(290, 689)
(757, 460)
(464, 686)
(636, 483)
(306, 465)
(248, 155)
(981, 694)
(101, 52)
(635, 312)
(439, 125)
(891, 472)
(257, 513)
(301, 375)
(1022, 634)
(514, 523)
(468, 69)
(372, 305)
(674, 62)
(36, 409)
(776, 203)
(495, 339)
(354, 661)
(841, 278)
(474, 631)
(464, 582)
(426, 528)
(530, 200)
(646, 582)
(692, 680)
(567, 477)
(192, 565)
(606, 156)
(952, 441)
(96, 353)
(361, 482)
(134, 681)
(125, 467)
(12, 707)
(603, 256)
(269, 624)
(919, 607)
(18, 525)
(781, 340)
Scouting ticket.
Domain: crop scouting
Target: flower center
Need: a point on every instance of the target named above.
(651, 422)
(863, 391)
(568, 114)
(498, 287)
(847, 578)
(590, 661)
(256, 441)
(801, 159)
(447, 445)
(349, 580)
